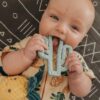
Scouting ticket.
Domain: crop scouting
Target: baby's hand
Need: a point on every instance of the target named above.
(36, 43)
(74, 65)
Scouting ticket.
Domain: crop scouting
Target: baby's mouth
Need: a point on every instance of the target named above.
(55, 41)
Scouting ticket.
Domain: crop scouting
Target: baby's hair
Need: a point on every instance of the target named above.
(89, 0)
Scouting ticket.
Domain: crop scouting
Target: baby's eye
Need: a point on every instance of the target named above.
(54, 17)
(75, 27)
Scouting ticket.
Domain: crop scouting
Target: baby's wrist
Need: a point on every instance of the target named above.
(75, 76)
(25, 57)
(80, 77)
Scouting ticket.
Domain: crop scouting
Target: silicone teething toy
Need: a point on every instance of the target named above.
(61, 56)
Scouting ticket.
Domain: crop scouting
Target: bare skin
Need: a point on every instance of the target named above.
(68, 20)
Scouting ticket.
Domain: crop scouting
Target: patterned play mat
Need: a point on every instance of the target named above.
(20, 18)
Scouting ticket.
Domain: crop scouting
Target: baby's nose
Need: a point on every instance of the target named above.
(62, 28)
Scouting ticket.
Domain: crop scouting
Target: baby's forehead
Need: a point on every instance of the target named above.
(73, 7)
(72, 3)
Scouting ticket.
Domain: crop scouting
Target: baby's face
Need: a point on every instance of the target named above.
(68, 20)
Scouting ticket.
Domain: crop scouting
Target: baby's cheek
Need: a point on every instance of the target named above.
(73, 43)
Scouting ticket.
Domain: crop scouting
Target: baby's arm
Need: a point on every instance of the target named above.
(79, 83)
(17, 61)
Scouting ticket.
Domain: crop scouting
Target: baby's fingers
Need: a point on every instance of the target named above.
(75, 66)
(38, 40)
(38, 37)
(39, 46)
(73, 63)
(72, 56)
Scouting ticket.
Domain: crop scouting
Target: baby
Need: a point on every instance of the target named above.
(68, 20)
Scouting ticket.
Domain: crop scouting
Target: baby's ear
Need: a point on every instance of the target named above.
(91, 0)
(86, 35)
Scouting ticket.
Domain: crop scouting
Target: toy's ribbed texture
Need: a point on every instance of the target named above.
(63, 50)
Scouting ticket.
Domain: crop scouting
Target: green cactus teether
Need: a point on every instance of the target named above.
(61, 56)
